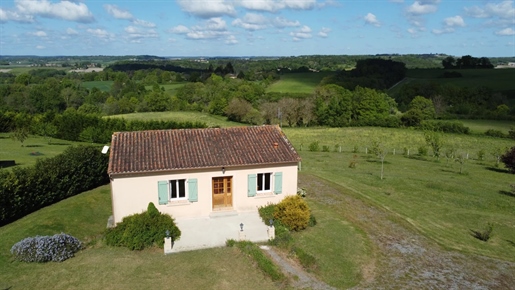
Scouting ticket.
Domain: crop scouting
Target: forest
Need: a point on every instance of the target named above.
(355, 92)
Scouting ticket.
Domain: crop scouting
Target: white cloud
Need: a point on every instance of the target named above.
(100, 33)
(65, 10)
(276, 5)
(40, 33)
(281, 22)
(179, 29)
(502, 9)
(117, 13)
(135, 34)
(144, 23)
(214, 28)
(324, 32)
(302, 33)
(372, 20)
(443, 30)
(208, 9)
(506, 32)
(7, 15)
(40, 47)
(71, 31)
(422, 7)
(231, 39)
(255, 21)
(454, 21)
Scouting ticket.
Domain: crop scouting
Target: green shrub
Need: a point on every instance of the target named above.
(325, 148)
(267, 213)
(283, 238)
(142, 230)
(24, 190)
(495, 133)
(355, 149)
(481, 154)
(444, 126)
(314, 146)
(484, 234)
(422, 151)
(312, 221)
(293, 212)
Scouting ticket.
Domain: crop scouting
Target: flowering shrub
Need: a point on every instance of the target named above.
(40, 249)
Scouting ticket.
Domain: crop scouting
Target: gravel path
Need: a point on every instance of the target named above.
(299, 278)
(404, 258)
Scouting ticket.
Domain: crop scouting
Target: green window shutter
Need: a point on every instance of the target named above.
(252, 184)
(278, 182)
(192, 189)
(162, 191)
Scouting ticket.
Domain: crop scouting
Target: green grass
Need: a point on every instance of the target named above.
(298, 82)
(431, 196)
(34, 147)
(480, 126)
(210, 120)
(339, 247)
(169, 88)
(101, 85)
(100, 267)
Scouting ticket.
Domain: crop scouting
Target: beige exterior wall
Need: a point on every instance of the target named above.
(132, 194)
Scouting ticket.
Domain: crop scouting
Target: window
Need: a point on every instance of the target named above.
(263, 182)
(177, 189)
(171, 190)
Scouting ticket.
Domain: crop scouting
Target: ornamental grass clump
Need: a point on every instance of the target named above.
(40, 249)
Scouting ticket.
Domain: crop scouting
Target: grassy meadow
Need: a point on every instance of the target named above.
(481, 126)
(298, 82)
(33, 148)
(101, 85)
(429, 195)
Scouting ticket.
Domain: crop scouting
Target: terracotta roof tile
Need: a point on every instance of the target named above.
(165, 150)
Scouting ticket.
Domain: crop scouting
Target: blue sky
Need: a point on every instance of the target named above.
(256, 27)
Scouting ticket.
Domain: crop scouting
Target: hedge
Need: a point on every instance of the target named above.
(25, 190)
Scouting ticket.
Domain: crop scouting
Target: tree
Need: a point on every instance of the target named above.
(237, 109)
(508, 159)
(435, 141)
(449, 62)
(20, 134)
(425, 106)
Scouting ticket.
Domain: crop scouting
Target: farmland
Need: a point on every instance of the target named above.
(298, 82)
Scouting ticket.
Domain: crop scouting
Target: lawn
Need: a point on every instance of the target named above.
(101, 85)
(182, 116)
(480, 126)
(428, 195)
(169, 88)
(33, 148)
(298, 82)
(100, 267)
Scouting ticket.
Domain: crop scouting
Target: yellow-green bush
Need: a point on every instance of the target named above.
(293, 212)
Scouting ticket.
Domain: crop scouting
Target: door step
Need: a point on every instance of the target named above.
(223, 213)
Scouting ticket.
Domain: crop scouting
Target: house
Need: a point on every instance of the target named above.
(190, 173)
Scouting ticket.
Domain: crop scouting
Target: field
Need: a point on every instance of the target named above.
(101, 85)
(210, 120)
(499, 80)
(429, 195)
(298, 82)
(481, 126)
(34, 147)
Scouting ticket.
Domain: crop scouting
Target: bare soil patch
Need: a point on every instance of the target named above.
(404, 258)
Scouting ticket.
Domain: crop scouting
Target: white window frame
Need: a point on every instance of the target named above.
(263, 180)
(177, 188)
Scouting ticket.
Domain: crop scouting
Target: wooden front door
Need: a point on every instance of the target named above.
(222, 192)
